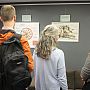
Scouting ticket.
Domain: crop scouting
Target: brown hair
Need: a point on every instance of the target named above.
(7, 12)
(47, 41)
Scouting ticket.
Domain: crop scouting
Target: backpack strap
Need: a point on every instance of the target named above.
(15, 38)
(18, 36)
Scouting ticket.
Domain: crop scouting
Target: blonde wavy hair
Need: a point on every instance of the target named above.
(47, 41)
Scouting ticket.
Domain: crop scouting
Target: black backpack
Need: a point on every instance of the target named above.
(14, 74)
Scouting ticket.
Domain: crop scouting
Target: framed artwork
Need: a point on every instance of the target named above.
(69, 31)
(30, 30)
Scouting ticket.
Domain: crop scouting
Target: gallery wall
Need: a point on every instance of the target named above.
(75, 52)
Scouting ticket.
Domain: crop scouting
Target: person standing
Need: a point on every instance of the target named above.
(85, 73)
(49, 69)
(8, 17)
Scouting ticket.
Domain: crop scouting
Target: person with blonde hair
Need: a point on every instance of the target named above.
(49, 70)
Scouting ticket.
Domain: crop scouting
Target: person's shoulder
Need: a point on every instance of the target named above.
(58, 51)
(88, 56)
(23, 38)
(89, 53)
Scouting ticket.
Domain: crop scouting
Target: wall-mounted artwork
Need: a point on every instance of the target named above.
(69, 31)
(30, 30)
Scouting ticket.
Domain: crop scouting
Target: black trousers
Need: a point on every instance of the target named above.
(86, 86)
(60, 88)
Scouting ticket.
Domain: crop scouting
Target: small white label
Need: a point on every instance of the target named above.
(26, 18)
(64, 18)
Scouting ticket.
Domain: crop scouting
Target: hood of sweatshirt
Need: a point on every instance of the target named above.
(4, 35)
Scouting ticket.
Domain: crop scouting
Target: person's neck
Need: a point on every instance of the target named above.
(8, 25)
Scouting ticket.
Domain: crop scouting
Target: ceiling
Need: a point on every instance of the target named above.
(42, 1)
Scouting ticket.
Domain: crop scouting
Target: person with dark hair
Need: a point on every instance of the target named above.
(49, 70)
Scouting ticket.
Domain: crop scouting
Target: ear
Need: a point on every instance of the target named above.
(14, 17)
(1, 19)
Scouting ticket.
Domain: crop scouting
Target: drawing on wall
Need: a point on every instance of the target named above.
(30, 30)
(69, 31)
(27, 32)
